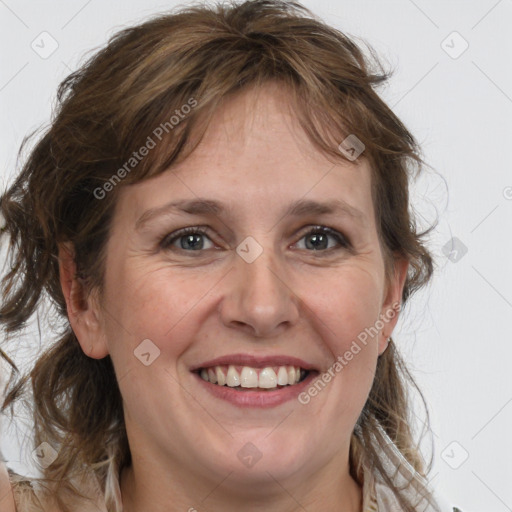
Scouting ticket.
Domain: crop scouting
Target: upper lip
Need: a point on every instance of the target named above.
(254, 361)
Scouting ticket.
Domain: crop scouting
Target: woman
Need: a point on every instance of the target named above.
(254, 367)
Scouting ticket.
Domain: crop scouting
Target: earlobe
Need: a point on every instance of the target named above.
(83, 309)
(392, 303)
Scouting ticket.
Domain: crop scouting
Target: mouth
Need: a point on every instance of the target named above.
(245, 380)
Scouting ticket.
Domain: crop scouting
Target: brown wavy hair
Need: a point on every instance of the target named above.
(106, 110)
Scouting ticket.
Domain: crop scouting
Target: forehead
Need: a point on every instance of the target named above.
(254, 152)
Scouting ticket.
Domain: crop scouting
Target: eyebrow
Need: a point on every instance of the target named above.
(298, 208)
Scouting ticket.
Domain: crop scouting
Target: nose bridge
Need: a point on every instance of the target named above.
(259, 296)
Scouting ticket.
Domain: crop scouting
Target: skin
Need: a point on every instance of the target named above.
(195, 305)
(6, 495)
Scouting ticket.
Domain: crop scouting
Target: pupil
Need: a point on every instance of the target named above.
(316, 239)
(190, 240)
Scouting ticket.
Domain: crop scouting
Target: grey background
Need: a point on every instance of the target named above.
(456, 334)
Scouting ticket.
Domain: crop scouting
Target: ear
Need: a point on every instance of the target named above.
(83, 312)
(392, 302)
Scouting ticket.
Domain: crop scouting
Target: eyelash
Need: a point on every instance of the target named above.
(168, 240)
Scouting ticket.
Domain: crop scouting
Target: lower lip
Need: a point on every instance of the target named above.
(253, 398)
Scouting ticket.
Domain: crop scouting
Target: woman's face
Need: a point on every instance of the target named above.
(255, 284)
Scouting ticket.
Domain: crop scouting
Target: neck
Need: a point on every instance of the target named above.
(150, 488)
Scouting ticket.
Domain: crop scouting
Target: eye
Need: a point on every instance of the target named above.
(317, 238)
(190, 239)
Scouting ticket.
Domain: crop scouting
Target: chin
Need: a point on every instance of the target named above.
(266, 460)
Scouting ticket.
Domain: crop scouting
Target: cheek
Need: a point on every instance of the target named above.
(156, 304)
(349, 308)
(346, 318)
(152, 321)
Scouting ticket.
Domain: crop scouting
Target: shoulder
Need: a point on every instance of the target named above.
(379, 497)
(17, 493)
(20, 494)
(7, 503)
(414, 487)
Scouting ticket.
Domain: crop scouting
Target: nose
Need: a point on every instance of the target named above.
(258, 299)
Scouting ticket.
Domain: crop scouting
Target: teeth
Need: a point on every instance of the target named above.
(282, 376)
(232, 378)
(212, 377)
(221, 378)
(265, 378)
(249, 378)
